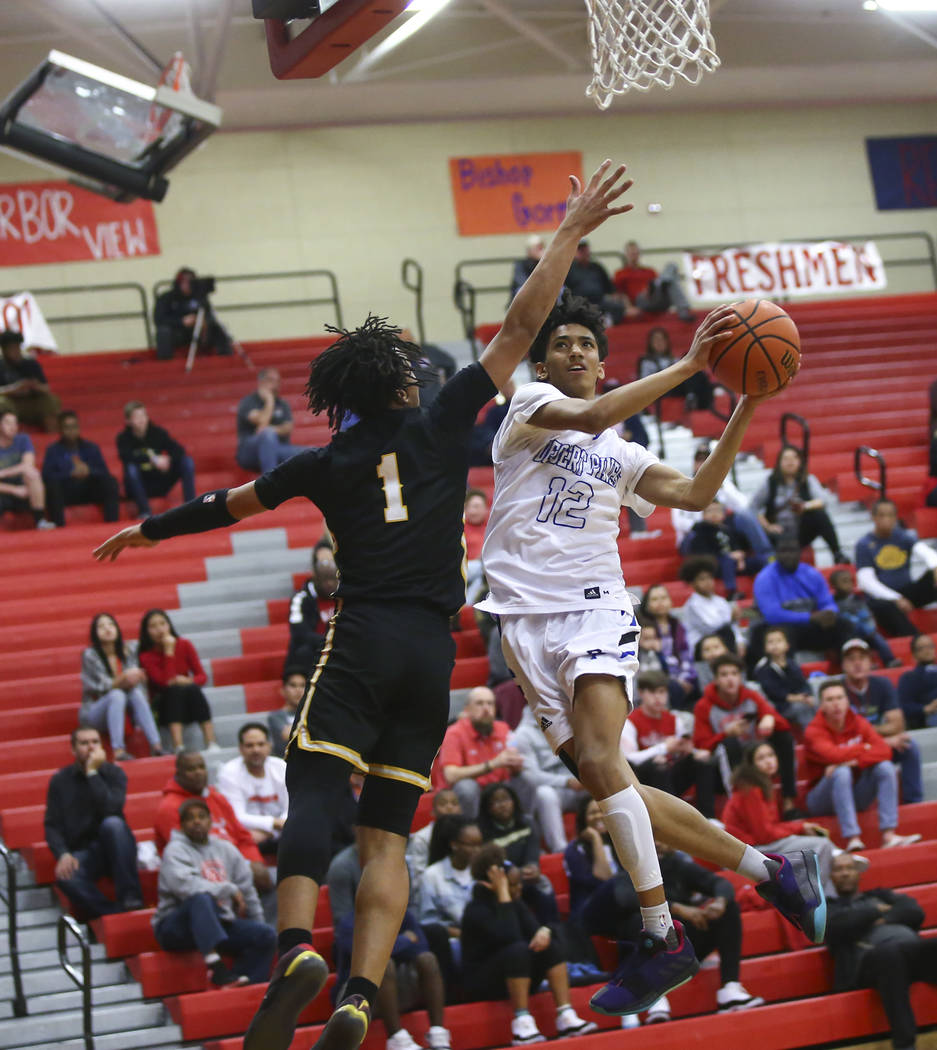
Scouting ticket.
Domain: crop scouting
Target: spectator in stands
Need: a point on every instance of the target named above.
(647, 290)
(21, 486)
(264, 425)
(658, 355)
(782, 681)
(445, 804)
(712, 536)
(505, 951)
(24, 386)
(854, 608)
(153, 461)
(175, 314)
(753, 813)
(280, 723)
(112, 684)
(477, 750)
(872, 936)
(590, 862)
(74, 472)
(432, 366)
(675, 651)
(410, 948)
(523, 268)
(191, 781)
(792, 502)
(883, 564)
(739, 516)
(483, 433)
(476, 518)
(730, 715)
(873, 697)
(589, 279)
(502, 820)
(311, 609)
(255, 785)
(207, 902)
(793, 594)
(917, 688)
(86, 831)
(557, 790)
(176, 676)
(848, 768)
(706, 650)
(346, 814)
(705, 612)
(660, 752)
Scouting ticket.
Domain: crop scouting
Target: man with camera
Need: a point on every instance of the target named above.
(176, 315)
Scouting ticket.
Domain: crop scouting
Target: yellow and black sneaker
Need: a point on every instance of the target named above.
(297, 979)
(347, 1027)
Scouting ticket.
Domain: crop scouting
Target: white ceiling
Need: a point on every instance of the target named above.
(490, 58)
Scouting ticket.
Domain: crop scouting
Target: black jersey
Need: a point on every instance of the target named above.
(392, 489)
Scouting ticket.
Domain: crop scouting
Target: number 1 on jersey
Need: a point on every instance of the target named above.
(396, 509)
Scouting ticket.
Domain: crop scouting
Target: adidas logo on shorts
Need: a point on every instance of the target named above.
(545, 724)
(591, 592)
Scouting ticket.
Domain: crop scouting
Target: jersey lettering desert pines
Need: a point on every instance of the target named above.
(552, 540)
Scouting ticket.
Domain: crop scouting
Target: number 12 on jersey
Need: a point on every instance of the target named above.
(559, 509)
(395, 509)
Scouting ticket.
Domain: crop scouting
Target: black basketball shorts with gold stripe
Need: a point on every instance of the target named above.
(379, 696)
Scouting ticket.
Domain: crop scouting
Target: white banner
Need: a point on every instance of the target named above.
(21, 313)
(788, 269)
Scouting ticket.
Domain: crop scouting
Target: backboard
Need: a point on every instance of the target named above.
(330, 36)
(117, 136)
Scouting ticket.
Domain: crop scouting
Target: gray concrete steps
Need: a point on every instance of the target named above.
(101, 995)
(192, 620)
(236, 589)
(926, 740)
(28, 918)
(168, 1036)
(225, 699)
(50, 980)
(262, 561)
(52, 1029)
(41, 958)
(28, 897)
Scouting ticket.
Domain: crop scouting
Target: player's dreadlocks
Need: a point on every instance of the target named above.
(571, 309)
(361, 371)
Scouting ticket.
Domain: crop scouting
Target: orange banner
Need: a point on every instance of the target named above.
(512, 192)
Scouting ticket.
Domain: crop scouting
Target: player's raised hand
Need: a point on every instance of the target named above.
(714, 330)
(130, 537)
(588, 208)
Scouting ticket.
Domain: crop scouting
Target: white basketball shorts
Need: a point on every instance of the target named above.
(548, 652)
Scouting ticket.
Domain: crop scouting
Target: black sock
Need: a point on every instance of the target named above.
(361, 986)
(38, 515)
(288, 939)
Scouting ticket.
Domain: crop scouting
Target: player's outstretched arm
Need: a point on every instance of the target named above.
(592, 417)
(212, 510)
(666, 487)
(586, 210)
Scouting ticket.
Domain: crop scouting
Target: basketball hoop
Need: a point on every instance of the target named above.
(640, 43)
(161, 122)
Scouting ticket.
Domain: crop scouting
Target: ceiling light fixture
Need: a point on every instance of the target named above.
(907, 6)
(420, 11)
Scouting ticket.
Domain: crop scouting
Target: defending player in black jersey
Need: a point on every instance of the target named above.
(391, 486)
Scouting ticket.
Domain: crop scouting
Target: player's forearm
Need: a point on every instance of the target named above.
(618, 405)
(532, 304)
(707, 481)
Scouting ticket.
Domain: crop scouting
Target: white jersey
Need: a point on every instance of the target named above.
(552, 538)
(256, 801)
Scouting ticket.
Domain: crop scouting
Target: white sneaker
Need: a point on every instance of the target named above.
(402, 1040)
(658, 1011)
(734, 996)
(524, 1030)
(568, 1022)
(44, 525)
(439, 1038)
(212, 749)
(630, 1021)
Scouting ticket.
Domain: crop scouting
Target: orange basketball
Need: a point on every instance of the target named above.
(763, 352)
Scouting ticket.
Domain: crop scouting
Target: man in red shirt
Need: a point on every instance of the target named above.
(648, 291)
(849, 767)
(191, 781)
(659, 752)
(476, 751)
(729, 716)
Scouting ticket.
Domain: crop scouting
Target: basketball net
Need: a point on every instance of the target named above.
(640, 43)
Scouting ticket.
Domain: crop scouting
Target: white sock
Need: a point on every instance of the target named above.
(656, 920)
(212, 958)
(756, 866)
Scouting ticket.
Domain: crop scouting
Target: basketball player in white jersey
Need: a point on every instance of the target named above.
(568, 630)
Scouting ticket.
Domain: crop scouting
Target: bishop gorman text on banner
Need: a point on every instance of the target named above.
(54, 222)
(512, 192)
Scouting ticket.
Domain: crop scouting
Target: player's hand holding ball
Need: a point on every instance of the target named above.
(762, 354)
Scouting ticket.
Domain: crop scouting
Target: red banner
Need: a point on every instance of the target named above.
(54, 222)
(512, 193)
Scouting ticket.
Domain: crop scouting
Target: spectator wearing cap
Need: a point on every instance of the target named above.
(917, 688)
(736, 505)
(23, 385)
(848, 766)
(883, 570)
(589, 279)
(523, 268)
(647, 290)
(874, 698)
(74, 472)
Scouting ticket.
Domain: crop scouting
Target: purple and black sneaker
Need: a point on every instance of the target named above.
(796, 891)
(648, 970)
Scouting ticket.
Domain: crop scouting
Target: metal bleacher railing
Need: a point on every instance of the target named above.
(9, 897)
(81, 978)
(879, 487)
(411, 274)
